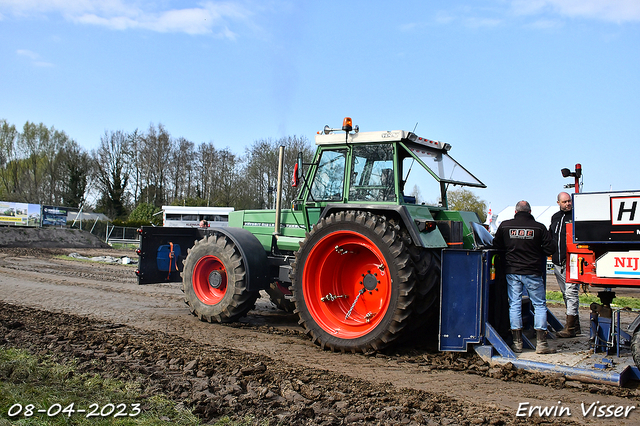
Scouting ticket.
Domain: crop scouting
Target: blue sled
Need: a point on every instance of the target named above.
(474, 313)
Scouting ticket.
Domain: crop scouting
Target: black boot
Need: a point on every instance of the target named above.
(517, 340)
(542, 347)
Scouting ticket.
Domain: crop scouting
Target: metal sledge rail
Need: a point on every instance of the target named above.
(465, 321)
(506, 355)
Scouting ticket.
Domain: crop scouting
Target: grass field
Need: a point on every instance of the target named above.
(632, 303)
(30, 383)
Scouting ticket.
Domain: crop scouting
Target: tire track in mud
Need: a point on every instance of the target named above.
(217, 381)
(268, 333)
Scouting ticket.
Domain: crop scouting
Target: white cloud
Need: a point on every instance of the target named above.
(618, 11)
(545, 24)
(407, 27)
(469, 17)
(478, 22)
(540, 14)
(34, 58)
(208, 17)
(65, 7)
(29, 54)
(444, 18)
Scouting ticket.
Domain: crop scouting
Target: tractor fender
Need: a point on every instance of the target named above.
(397, 210)
(253, 255)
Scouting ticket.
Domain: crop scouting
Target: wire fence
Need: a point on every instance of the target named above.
(121, 235)
(109, 233)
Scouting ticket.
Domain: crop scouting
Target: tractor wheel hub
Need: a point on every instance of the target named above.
(370, 281)
(215, 279)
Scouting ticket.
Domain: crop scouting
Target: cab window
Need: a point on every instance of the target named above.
(372, 177)
(328, 182)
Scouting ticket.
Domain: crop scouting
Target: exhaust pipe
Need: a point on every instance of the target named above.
(279, 189)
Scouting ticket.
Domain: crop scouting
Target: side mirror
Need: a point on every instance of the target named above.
(297, 171)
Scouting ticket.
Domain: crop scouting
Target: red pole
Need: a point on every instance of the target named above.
(578, 175)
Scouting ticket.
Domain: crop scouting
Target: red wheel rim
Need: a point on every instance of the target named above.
(209, 280)
(342, 264)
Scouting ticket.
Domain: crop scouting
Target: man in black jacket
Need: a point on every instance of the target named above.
(527, 244)
(570, 291)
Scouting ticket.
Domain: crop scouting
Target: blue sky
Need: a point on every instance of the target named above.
(519, 88)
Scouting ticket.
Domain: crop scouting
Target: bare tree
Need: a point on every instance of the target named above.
(76, 164)
(181, 170)
(135, 141)
(205, 159)
(112, 163)
(225, 178)
(292, 146)
(44, 165)
(260, 174)
(155, 152)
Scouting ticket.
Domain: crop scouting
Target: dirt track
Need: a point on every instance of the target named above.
(263, 365)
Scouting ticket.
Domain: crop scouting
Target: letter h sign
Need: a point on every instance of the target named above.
(625, 211)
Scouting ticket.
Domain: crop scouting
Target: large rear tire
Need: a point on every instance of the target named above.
(635, 347)
(428, 269)
(215, 280)
(353, 281)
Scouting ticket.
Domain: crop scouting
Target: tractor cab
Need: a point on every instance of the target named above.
(381, 167)
(381, 171)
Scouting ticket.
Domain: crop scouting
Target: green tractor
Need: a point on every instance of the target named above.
(356, 257)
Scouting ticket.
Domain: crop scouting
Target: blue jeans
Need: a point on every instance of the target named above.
(537, 294)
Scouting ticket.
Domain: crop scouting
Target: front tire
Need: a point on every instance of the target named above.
(353, 282)
(215, 280)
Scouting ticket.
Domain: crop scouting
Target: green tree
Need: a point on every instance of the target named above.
(146, 212)
(465, 200)
(33, 140)
(53, 165)
(33, 164)
(9, 166)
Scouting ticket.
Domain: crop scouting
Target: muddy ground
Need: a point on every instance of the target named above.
(264, 365)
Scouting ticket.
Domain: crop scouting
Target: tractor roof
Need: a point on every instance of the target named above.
(328, 137)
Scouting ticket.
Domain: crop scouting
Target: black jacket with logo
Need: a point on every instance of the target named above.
(558, 229)
(527, 244)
